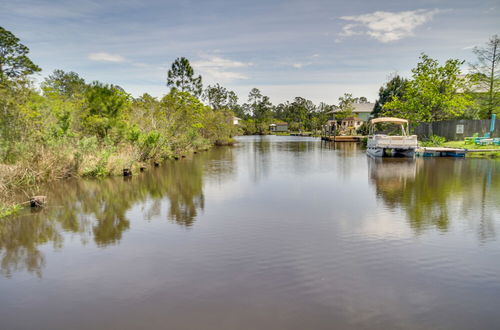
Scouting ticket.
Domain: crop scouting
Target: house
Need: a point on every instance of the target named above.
(361, 111)
(236, 120)
(360, 114)
(279, 127)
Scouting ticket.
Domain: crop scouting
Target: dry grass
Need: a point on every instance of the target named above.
(52, 163)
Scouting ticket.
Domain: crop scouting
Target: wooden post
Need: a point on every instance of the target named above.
(38, 201)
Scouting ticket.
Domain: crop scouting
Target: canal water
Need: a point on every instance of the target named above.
(273, 233)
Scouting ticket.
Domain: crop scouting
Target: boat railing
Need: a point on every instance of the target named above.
(394, 141)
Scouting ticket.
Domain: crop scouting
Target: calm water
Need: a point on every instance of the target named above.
(274, 233)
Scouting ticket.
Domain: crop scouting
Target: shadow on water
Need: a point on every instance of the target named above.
(432, 192)
(96, 210)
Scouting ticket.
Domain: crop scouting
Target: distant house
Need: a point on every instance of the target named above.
(279, 127)
(353, 122)
(236, 120)
(361, 111)
(361, 114)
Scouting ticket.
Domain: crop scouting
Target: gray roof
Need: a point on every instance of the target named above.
(363, 107)
(360, 107)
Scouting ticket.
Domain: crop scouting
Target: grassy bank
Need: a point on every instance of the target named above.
(77, 158)
(487, 154)
(96, 131)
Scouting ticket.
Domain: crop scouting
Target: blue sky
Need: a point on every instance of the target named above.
(316, 49)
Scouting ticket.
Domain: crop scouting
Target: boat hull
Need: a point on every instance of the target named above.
(390, 152)
(381, 145)
(375, 152)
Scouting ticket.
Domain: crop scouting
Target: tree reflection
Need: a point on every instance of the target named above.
(433, 192)
(96, 210)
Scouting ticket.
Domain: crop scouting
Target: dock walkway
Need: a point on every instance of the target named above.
(440, 152)
(343, 138)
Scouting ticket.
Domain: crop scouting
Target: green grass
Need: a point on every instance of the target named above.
(6, 210)
(462, 145)
(486, 154)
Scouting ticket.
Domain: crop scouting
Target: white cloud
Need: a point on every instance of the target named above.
(220, 69)
(386, 26)
(223, 76)
(298, 65)
(219, 62)
(106, 57)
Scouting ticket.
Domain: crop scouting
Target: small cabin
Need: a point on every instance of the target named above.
(279, 127)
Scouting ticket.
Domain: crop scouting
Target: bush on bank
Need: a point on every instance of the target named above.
(96, 130)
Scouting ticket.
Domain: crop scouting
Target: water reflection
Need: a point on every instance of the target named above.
(97, 209)
(432, 192)
(275, 223)
(263, 152)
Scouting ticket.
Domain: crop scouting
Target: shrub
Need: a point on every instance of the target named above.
(433, 141)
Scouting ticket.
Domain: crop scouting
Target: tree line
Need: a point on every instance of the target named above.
(441, 91)
(433, 92)
(70, 127)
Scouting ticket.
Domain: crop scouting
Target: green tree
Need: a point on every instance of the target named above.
(260, 106)
(66, 84)
(361, 99)
(486, 76)
(220, 98)
(346, 107)
(432, 93)
(395, 87)
(104, 108)
(184, 112)
(181, 76)
(324, 112)
(300, 111)
(14, 60)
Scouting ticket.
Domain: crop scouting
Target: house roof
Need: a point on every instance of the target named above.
(281, 123)
(363, 107)
(358, 107)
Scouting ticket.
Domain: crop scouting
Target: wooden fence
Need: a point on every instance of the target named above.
(456, 129)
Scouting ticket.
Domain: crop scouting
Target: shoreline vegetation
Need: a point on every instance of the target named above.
(53, 138)
(70, 128)
(67, 127)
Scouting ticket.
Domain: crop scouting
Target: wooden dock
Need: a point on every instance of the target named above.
(440, 152)
(343, 138)
(447, 152)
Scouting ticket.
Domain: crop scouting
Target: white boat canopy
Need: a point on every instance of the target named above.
(393, 120)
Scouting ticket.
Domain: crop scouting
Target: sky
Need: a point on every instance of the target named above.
(316, 49)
